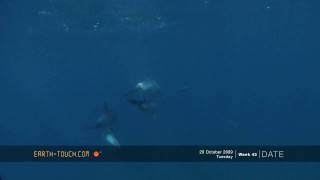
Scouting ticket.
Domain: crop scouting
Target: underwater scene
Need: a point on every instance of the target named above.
(159, 72)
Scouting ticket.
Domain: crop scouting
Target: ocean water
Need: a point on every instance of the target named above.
(251, 70)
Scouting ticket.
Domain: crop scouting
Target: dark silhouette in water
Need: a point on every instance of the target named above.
(108, 118)
(185, 89)
(144, 106)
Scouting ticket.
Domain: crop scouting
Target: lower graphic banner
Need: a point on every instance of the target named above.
(159, 153)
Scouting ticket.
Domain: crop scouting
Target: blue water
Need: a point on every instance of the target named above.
(251, 67)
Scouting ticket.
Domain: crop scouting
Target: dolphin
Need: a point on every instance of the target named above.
(146, 95)
(106, 122)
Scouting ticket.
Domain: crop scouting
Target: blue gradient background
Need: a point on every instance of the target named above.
(252, 67)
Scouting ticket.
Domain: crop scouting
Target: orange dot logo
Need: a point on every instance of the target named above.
(96, 154)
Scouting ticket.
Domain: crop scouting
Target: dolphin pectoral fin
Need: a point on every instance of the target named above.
(111, 139)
